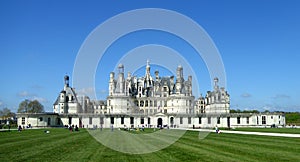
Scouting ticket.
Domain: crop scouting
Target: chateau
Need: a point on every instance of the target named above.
(149, 101)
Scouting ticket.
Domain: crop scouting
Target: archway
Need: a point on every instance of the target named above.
(159, 122)
(171, 121)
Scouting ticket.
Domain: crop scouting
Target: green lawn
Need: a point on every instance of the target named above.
(292, 118)
(62, 145)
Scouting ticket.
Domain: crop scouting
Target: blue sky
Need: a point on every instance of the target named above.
(259, 42)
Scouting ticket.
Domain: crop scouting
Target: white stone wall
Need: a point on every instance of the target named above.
(36, 120)
(206, 121)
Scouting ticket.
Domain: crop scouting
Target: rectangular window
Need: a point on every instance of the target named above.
(247, 120)
(41, 118)
(70, 120)
(271, 117)
(263, 120)
(181, 120)
(131, 120)
(112, 120)
(200, 120)
(101, 120)
(58, 121)
(218, 120)
(149, 120)
(257, 121)
(238, 120)
(189, 120)
(122, 120)
(142, 120)
(23, 120)
(90, 120)
(208, 120)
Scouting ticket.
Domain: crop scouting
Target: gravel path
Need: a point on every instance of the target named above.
(251, 133)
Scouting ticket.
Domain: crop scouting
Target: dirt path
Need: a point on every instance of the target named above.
(250, 133)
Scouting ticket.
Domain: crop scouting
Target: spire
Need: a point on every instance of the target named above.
(66, 80)
(216, 86)
(148, 67)
(148, 78)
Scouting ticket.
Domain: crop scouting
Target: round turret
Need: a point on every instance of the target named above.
(112, 75)
(180, 67)
(121, 68)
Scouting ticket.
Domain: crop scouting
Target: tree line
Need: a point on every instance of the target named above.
(248, 111)
(26, 106)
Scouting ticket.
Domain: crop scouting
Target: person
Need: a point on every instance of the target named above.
(70, 128)
(76, 128)
(217, 129)
(20, 128)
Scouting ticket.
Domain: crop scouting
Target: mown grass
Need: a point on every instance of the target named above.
(62, 145)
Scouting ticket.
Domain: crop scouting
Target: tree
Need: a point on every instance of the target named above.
(232, 111)
(5, 113)
(36, 107)
(23, 106)
(28, 106)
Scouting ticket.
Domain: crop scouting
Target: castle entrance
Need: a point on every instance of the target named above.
(159, 122)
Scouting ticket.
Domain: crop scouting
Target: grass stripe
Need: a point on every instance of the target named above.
(61, 145)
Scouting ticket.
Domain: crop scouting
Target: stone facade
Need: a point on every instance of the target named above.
(149, 101)
(147, 95)
(66, 102)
